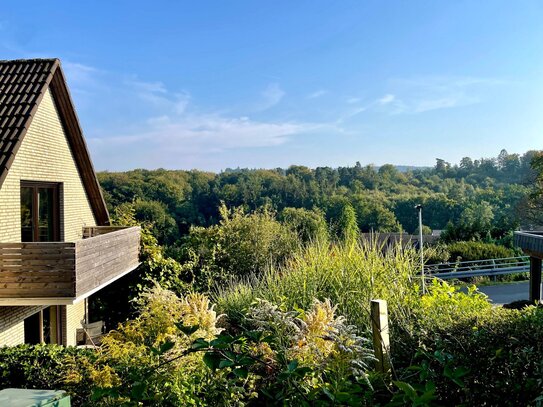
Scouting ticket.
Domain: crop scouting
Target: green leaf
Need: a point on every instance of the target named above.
(241, 372)
(222, 342)
(245, 361)
(138, 390)
(212, 360)
(199, 343)
(226, 363)
(166, 346)
(407, 389)
(292, 366)
(328, 394)
(186, 329)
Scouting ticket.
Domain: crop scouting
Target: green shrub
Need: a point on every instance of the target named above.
(461, 350)
(174, 353)
(308, 224)
(42, 367)
(350, 275)
(467, 251)
(241, 244)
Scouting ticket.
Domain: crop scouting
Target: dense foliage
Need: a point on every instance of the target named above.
(255, 286)
(476, 198)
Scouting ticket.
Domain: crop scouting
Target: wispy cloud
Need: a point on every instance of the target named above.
(185, 140)
(423, 94)
(385, 100)
(351, 113)
(79, 74)
(317, 94)
(170, 129)
(271, 96)
(352, 101)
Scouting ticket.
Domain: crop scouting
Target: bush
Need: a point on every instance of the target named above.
(240, 245)
(43, 367)
(174, 353)
(488, 359)
(467, 251)
(308, 224)
(349, 274)
(460, 350)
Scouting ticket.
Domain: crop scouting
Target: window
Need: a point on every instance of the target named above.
(40, 212)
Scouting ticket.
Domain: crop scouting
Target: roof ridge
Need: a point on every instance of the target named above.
(27, 60)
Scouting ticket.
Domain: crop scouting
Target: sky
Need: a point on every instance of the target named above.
(219, 84)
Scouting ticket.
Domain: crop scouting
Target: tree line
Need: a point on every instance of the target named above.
(474, 199)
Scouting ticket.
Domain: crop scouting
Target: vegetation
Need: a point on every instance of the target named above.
(349, 274)
(255, 287)
(474, 199)
(180, 351)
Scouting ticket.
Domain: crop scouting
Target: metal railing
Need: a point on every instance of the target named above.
(478, 268)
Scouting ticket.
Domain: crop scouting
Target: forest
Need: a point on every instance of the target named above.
(472, 200)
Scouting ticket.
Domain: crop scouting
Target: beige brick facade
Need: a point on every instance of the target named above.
(72, 316)
(44, 155)
(12, 323)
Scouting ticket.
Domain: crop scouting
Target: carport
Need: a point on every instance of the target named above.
(531, 244)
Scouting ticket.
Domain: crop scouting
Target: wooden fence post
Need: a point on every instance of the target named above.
(381, 339)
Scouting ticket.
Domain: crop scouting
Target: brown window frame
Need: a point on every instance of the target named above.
(35, 185)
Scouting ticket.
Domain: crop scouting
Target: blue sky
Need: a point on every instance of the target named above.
(217, 84)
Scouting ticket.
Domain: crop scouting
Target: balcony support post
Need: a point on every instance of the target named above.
(535, 279)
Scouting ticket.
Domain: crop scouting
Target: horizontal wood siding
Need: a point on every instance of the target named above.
(106, 256)
(67, 270)
(91, 231)
(531, 243)
(30, 270)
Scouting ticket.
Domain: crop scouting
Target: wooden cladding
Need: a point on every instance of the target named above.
(531, 242)
(30, 270)
(101, 258)
(67, 270)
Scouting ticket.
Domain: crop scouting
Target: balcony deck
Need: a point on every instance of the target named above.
(66, 272)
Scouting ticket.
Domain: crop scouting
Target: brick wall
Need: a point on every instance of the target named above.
(72, 316)
(45, 155)
(12, 323)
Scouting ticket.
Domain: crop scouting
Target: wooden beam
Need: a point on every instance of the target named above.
(535, 279)
(381, 339)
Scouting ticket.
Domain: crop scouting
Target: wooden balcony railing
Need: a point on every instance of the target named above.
(63, 272)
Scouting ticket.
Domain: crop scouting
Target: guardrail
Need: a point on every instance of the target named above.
(479, 268)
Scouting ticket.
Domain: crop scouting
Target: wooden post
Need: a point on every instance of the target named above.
(535, 279)
(381, 339)
(40, 326)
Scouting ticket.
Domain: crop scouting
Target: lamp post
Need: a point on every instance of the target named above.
(419, 209)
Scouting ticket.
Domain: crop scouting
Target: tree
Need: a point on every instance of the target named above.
(347, 224)
(154, 215)
(308, 224)
(532, 205)
(242, 244)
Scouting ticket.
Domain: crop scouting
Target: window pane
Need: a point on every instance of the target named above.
(26, 214)
(45, 215)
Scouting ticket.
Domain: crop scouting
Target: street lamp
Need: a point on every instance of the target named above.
(419, 209)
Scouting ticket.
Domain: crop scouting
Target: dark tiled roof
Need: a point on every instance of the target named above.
(22, 86)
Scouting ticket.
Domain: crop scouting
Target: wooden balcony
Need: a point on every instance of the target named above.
(66, 272)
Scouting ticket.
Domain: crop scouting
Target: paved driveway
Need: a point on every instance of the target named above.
(506, 293)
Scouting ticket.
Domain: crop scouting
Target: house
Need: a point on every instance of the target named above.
(56, 245)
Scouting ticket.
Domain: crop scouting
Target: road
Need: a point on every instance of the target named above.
(506, 293)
